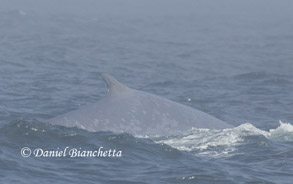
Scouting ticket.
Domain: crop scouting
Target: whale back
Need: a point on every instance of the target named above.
(128, 110)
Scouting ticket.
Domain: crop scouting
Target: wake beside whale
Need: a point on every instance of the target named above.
(136, 112)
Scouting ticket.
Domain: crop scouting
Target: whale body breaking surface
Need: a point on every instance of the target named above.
(136, 112)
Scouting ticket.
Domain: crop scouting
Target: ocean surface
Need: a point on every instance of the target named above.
(230, 59)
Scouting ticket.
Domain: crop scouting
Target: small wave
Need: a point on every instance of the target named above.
(264, 78)
(222, 142)
(284, 133)
(252, 75)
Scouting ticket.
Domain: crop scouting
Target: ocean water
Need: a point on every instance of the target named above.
(230, 59)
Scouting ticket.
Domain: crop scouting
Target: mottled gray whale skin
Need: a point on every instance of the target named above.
(136, 112)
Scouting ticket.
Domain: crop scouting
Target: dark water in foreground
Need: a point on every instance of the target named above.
(235, 64)
(240, 155)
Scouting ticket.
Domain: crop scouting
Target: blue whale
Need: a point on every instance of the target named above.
(136, 112)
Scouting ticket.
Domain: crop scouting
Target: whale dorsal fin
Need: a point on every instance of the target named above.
(113, 85)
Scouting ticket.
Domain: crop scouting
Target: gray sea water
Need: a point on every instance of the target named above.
(230, 59)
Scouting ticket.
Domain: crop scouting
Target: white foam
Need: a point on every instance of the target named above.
(223, 142)
(283, 133)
